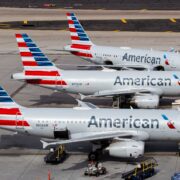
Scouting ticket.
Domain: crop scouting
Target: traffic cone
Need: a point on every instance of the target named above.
(49, 175)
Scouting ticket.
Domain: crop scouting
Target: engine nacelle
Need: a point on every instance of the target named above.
(126, 149)
(146, 101)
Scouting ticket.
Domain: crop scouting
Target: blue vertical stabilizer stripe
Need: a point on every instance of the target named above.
(34, 49)
(27, 40)
(31, 45)
(5, 99)
(45, 64)
(3, 93)
(41, 59)
(25, 36)
(38, 54)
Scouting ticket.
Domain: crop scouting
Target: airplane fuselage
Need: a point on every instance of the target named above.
(90, 82)
(150, 59)
(145, 124)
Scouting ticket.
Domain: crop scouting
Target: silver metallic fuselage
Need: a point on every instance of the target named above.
(130, 56)
(146, 124)
(163, 83)
(89, 82)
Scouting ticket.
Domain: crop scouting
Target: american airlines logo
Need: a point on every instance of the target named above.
(148, 81)
(169, 123)
(177, 78)
(129, 122)
(141, 59)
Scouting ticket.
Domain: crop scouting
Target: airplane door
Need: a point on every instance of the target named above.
(61, 132)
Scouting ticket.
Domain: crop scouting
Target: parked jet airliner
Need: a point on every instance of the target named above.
(140, 88)
(122, 132)
(83, 47)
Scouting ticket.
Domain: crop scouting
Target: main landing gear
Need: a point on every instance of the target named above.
(120, 102)
(96, 152)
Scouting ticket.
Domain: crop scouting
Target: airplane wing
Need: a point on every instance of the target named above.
(85, 105)
(123, 67)
(96, 136)
(118, 92)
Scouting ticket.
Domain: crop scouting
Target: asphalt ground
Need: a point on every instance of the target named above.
(94, 4)
(32, 14)
(143, 25)
(21, 157)
(93, 20)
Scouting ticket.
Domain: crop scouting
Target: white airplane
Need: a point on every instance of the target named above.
(122, 132)
(116, 57)
(140, 88)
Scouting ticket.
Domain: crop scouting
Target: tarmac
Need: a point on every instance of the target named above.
(21, 14)
(21, 157)
(94, 4)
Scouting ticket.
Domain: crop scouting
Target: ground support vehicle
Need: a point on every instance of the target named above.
(143, 170)
(95, 169)
(56, 156)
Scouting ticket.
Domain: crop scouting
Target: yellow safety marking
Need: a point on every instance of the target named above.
(173, 20)
(123, 20)
(63, 30)
(101, 9)
(25, 22)
(5, 25)
(116, 30)
(143, 10)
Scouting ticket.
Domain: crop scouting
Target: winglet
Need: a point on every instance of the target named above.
(45, 144)
(82, 96)
(86, 104)
(80, 103)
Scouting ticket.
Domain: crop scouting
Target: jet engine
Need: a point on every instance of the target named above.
(146, 101)
(126, 149)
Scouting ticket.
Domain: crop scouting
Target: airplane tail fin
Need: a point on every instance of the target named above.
(38, 69)
(10, 112)
(78, 35)
(6, 100)
(34, 61)
(31, 55)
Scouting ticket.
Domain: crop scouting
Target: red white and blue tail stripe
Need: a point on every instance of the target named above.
(81, 43)
(5, 99)
(34, 61)
(10, 114)
(78, 35)
(38, 69)
(31, 55)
